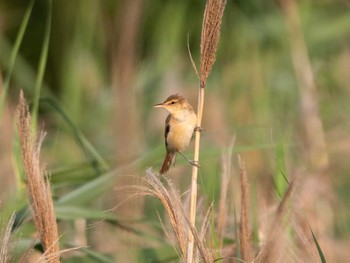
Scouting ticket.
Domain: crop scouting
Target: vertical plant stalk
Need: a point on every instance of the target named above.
(315, 138)
(124, 50)
(211, 25)
(37, 184)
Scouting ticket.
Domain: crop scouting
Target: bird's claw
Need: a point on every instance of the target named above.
(195, 163)
(198, 129)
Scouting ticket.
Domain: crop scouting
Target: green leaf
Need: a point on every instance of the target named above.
(14, 54)
(98, 257)
(320, 253)
(89, 150)
(42, 66)
(89, 191)
(280, 179)
(90, 257)
(70, 212)
(74, 174)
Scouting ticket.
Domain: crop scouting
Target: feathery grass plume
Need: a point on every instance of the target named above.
(4, 243)
(211, 25)
(37, 184)
(269, 250)
(170, 199)
(213, 13)
(244, 231)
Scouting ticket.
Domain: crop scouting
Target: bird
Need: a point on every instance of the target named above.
(179, 127)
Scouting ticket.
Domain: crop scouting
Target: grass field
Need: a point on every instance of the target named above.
(274, 171)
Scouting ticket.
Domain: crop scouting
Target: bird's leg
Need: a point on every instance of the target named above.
(194, 163)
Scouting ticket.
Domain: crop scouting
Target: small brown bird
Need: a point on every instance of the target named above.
(179, 127)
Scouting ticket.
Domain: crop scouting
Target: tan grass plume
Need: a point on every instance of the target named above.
(37, 184)
(171, 201)
(213, 13)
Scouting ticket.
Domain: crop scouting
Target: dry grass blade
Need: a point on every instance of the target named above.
(244, 231)
(225, 178)
(269, 251)
(213, 13)
(204, 253)
(38, 186)
(4, 246)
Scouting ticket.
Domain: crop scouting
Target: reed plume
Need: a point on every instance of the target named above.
(170, 199)
(213, 13)
(37, 184)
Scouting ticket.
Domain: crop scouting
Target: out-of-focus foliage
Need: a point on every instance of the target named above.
(252, 93)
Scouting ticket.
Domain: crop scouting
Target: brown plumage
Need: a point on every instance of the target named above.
(179, 127)
(167, 162)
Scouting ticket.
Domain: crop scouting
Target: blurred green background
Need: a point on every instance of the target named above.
(109, 62)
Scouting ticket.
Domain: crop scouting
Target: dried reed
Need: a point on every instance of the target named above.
(244, 230)
(4, 245)
(213, 13)
(37, 184)
(225, 178)
(270, 249)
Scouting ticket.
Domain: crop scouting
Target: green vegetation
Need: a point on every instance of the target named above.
(91, 72)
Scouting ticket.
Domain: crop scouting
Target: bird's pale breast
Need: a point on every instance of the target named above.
(180, 133)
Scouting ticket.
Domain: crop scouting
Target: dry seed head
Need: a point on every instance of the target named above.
(38, 187)
(213, 13)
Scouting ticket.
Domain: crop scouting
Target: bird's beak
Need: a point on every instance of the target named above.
(159, 105)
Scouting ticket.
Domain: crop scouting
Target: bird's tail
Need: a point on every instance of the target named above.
(167, 162)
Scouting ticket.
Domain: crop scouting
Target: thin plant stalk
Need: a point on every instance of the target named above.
(212, 18)
(194, 176)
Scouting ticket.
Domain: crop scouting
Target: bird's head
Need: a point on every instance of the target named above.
(174, 103)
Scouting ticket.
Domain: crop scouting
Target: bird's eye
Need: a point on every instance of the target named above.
(173, 102)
